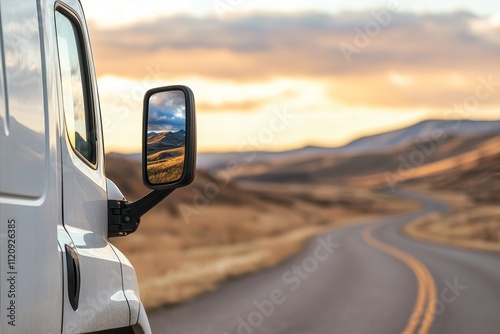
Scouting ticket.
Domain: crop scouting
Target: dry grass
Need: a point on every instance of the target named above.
(477, 228)
(172, 277)
(470, 184)
(166, 154)
(166, 166)
(191, 243)
(176, 261)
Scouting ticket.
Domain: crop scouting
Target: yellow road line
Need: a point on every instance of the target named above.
(425, 306)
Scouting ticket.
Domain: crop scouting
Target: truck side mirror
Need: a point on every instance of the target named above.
(168, 155)
(169, 138)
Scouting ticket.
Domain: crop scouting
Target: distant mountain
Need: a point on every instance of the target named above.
(161, 141)
(423, 130)
(399, 162)
(386, 141)
(174, 139)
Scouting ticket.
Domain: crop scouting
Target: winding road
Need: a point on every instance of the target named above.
(367, 278)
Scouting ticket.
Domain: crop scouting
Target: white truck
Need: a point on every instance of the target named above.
(59, 273)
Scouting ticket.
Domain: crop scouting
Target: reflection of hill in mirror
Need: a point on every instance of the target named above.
(159, 142)
(165, 155)
(168, 138)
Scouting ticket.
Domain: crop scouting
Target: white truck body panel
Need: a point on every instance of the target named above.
(50, 199)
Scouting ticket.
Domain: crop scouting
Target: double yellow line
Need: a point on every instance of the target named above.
(425, 307)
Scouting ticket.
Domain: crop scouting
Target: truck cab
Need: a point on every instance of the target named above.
(59, 272)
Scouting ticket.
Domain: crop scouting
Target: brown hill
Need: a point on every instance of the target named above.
(475, 173)
(469, 182)
(373, 168)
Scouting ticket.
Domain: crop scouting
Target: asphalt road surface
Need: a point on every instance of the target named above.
(367, 278)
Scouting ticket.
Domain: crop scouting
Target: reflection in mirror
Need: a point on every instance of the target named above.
(166, 137)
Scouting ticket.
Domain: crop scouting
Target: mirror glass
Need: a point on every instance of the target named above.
(166, 137)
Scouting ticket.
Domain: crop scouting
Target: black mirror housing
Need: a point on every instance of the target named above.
(169, 146)
(169, 138)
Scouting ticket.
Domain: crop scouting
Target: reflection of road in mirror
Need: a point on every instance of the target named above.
(166, 142)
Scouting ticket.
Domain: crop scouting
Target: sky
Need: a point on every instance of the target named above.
(286, 74)
(167, 112)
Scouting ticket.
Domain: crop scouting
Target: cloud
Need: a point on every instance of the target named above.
(247, 103)
(416, 60)
(167, 112)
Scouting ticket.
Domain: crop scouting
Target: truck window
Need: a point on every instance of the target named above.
(78, 109)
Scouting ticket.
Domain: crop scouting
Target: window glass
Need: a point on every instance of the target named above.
(77, 110)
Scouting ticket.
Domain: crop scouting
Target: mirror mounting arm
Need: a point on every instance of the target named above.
(124, 217)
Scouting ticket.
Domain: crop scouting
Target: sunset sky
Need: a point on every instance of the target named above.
(285, 74)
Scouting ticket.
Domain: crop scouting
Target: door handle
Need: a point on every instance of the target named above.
(73, 270)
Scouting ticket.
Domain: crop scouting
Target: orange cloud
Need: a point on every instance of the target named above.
(240, 106)
(415, 61)
(435, 90)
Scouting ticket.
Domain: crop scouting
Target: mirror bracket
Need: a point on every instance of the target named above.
(124, 217)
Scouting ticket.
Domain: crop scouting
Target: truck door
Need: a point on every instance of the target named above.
(30, 271)
(94, 297)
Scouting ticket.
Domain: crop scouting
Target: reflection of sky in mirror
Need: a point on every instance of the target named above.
(167, 112)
